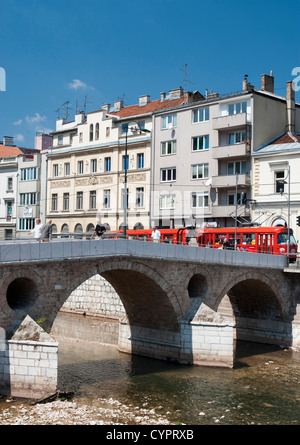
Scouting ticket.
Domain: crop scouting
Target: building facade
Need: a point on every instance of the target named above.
(93, 157)
(202, 156)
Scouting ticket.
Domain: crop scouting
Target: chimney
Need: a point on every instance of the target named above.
(106, 107)
(175, 93)
(8, 141)
(144, 100)
(267, 82)
(247, 86)
(162, 97)
(290, 105)
(118, 105)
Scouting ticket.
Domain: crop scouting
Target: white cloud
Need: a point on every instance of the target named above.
(35, 119)
(19, 138)
(76, 83)
(18, 122)
(43, 130)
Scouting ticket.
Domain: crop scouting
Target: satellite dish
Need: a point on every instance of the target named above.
(208, 182)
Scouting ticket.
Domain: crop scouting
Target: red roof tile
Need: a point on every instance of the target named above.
(150, 107)
(287, 138)
(6, 151)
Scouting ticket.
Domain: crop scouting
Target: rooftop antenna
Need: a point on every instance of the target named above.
(67, 108)
(184, 69)
(58, 112)
(86, 102)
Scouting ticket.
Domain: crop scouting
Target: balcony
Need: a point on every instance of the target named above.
(229, 181)
(231, 151)
(225, 211)
(230, 121)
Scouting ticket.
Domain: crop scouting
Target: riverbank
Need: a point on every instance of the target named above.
(66, 412)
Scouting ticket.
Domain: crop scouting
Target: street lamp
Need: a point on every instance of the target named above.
(125, 204)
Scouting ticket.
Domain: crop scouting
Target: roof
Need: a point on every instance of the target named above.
(284, 142)
(6, 152)
(150, 107)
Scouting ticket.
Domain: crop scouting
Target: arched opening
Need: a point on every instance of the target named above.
(21, 293)
(197, 287)
(138, 226)
(256, 311)
(90, 228)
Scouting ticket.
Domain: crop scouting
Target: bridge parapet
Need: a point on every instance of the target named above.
(68, 249)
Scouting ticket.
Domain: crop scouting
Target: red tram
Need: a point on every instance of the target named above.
(271, 240)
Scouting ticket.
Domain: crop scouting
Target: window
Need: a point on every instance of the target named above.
(80, 137)
(67, 168)
(241, 198)
(169, 121)
(168, 148)
(28, 198)
(124, 128)
(79, 201)
(54, 201)
(200, 143)
(9, 184)
(140, 197)
(97, 132)
(279, 182)
(125, 162)
(167, 201)
(140, 160)
(91, 132)
(94, 165)
(93, 200)
(199, 200)
(80, 167)
(168, 174)
(55, 170)
(107, 164)
(29, 174)
(66, 201)
(237, 137)
(26, 223)
(238, 167)
(106, 199)
(200, 171)
(201, 115)
(236, 108)
(60, 140)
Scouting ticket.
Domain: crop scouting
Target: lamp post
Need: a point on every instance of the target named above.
(125, 203)
(289, 207)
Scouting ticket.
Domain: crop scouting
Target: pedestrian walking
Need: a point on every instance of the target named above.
(155, 235)
(46, 231)
(99, 230)
(37, 230)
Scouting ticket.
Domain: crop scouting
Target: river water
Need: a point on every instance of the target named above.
(262, 389)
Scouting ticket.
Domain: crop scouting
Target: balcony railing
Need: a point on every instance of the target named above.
(229, 121)
(231, 151)
(230, 180)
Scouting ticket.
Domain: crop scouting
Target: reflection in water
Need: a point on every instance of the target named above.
(263, 388)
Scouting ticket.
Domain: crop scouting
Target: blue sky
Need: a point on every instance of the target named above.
(56, 51)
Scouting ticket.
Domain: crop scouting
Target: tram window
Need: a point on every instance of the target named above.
(282, 238)
(248, 238)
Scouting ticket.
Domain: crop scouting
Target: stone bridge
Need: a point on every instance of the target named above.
(185, 304)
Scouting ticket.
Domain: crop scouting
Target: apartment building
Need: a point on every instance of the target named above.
(91, 159)
(202, 155)
(276, 166)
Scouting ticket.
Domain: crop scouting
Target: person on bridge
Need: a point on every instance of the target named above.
(155, 235)
(37, 230)
(47, 231)
(99, 230)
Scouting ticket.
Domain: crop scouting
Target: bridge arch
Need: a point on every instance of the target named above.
(144, 292)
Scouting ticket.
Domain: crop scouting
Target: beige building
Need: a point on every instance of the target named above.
(90, 159)
(202, 155)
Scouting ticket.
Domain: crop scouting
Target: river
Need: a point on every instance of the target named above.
(262, 389)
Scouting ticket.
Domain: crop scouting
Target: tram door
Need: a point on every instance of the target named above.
(265, 243)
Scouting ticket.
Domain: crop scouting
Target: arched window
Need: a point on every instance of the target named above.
(138, 226)
(78, 231)
(90, 228)
(91, 132)
(64, 230)
(54, 228)
(107, 226)
(97, 132)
